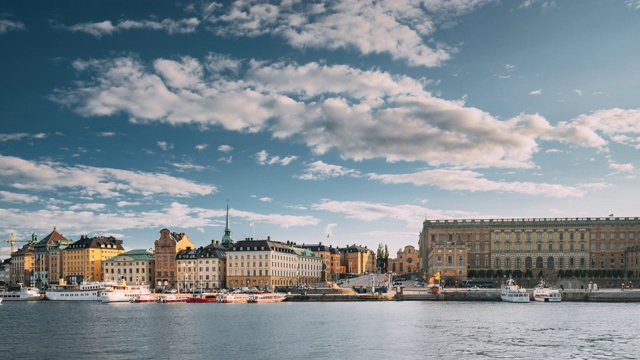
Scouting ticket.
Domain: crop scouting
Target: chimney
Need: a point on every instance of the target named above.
(269, 238)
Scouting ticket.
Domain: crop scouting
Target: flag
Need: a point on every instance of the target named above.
(437, 276)
(328, 235)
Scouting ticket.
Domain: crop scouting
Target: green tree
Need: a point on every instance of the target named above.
(560, 273)
(471, 274)
(528, 273)
(499, 273)
(490, 273)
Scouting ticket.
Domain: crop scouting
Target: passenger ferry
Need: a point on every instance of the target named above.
(122, 292)
(85, 291)
(24, 294)
(510, 292)
(544, 293)
(266, 298)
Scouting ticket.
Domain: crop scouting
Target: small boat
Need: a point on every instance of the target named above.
(510, 292)
(122, 292)
(24, 294)
(544, 293)
(266, 298)
(203, 298)
(85, 291)
(233, 298)
(170, 299)
(0, 300)
(143, 299)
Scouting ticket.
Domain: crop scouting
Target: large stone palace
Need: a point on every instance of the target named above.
(453, 247)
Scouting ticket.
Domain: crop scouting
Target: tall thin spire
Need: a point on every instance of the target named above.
(227, 239)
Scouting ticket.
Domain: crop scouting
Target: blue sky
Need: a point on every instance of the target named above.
(334, 122)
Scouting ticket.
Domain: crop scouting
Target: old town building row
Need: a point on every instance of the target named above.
(176, 263)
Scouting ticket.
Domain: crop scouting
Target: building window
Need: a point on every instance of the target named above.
(550, 235)
(497, 263)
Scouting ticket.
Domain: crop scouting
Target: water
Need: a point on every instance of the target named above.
(348, 330)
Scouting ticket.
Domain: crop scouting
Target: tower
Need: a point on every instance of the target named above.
(227, 239)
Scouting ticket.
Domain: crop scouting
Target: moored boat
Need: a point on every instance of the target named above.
(543, 293)
(84, 291)
(266, 298)
(143, 299)
(203, 298)
(122, 292)
(510, 292)
(171, 299)
(24, 294)
(233, 298)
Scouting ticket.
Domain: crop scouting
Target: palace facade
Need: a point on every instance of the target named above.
(544, 245)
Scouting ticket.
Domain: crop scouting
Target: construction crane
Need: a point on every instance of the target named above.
(11, 241)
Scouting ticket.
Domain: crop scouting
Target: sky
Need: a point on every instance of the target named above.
(339, 122)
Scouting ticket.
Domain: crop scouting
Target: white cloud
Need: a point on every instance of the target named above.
(366, 211)
(188, 166)
(395, 28)
(11, 197)
(225, 148)
(465, 180)
(106, 27)
(263, 158)
(89, 206)
(266, 199)
(20, 136)
(536, 92)
(227, 160)
(164, 145)
(319, 170)
(510, 67)
(578, 91)
(201, 147)
(284, 221)
(627, 168)
(93, 181)
(126, 203)
(360, 114)
(106, 134)
(7, 25)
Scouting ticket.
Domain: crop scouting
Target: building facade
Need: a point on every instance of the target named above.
(201, 268)
(330, 258)
(543, 246)
(166, 248)
(406, 261)
(46, 254)
(82, 260)
(267, 264)
(134, 266)
(356, 259)
(21, 269)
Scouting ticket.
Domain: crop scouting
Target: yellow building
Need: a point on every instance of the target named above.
(357, 260)
(22, 266)
(82, 260)
(331, 259)
(406, 261)
(166, 249)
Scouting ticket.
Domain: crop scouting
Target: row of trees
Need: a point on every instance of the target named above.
(578, 273)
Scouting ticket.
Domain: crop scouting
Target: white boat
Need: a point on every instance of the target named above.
(122, 292)
(266, 298)
(143, 299)
(24, 294)
(171, 299)
(510, 292)
(85, 291)
(544, 293)
(233, 298)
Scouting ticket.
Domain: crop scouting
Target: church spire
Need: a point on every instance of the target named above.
(227, 239)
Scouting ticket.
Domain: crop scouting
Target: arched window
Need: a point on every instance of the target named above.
(528, 262)
(550, 263)
(539, 262)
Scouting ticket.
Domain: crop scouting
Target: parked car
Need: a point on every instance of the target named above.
(474, 288)
(418, 284)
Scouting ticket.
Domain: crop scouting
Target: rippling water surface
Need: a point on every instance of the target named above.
(349, 330)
